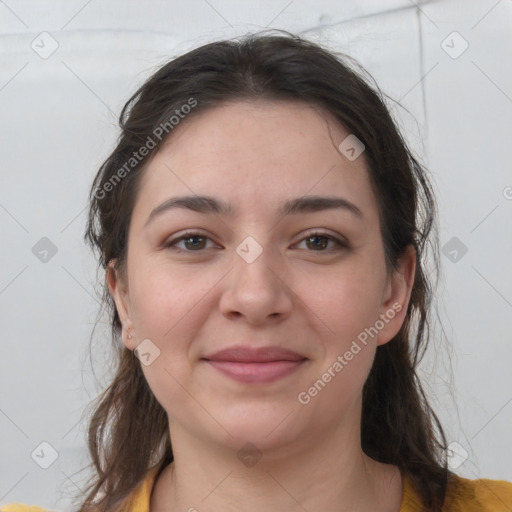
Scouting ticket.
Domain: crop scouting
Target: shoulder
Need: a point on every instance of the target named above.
(137, 501)
(19, 507)
(479, 495)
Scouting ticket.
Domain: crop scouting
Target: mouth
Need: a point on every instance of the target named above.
(250, 365)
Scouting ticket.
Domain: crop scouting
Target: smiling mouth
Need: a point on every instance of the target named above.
(250, 365)
(257, 372)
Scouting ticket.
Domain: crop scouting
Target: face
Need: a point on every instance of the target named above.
(301, 294)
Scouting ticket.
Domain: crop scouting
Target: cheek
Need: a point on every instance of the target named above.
(347, 300)
(168, 306)
(164, 299)
(348, 305)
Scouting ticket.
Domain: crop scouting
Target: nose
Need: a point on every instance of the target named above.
(256, 290)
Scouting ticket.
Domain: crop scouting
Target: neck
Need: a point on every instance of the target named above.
(328, 472)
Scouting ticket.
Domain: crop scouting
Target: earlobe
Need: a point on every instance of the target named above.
(118, 290)
(397, 296)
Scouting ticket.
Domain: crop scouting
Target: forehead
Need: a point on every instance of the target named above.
(256, 154)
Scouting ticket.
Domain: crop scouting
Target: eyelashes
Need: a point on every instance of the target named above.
(339, 244)
(171, 244)
(195, 247)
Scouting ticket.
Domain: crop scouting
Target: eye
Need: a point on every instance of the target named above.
(193, 242)
(196, 242)
(319, 241)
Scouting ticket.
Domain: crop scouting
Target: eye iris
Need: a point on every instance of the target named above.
(322, 245)
(194, 245)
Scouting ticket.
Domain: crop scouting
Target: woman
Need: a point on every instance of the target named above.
(262, 225)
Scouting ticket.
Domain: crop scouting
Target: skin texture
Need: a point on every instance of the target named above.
(314, 301)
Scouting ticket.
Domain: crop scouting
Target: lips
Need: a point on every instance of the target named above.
(255, 355)
(256, 365)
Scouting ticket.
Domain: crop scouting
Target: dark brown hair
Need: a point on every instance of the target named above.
(128, 430)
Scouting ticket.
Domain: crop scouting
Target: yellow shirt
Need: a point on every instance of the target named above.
(482, 495)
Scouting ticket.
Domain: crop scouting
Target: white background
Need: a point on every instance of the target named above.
(58, 123)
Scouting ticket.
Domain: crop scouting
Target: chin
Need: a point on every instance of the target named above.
(266, 426)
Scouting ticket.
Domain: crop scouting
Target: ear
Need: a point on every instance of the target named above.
(118, 288)
(396, 296)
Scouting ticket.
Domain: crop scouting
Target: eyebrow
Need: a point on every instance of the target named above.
(208, 204)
